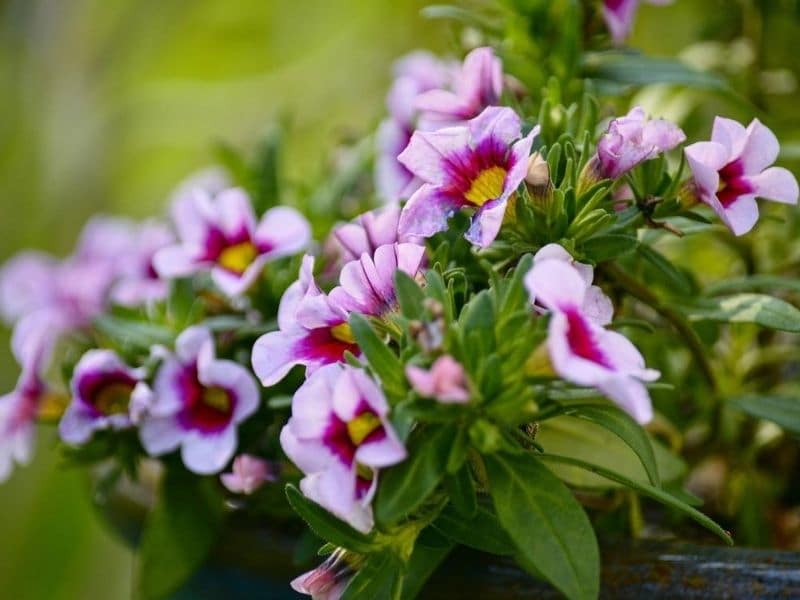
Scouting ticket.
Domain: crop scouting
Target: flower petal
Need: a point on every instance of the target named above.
(208, 453)
(776, 184)
(426, 212)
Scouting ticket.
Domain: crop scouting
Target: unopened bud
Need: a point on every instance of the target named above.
(538, 176)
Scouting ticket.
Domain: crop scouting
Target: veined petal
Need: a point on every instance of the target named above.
(760, 148)
(426, 212)
(486, 223)
(556, 285)
(497, 122)
(776, 184)
(427, 152)
(284, 230)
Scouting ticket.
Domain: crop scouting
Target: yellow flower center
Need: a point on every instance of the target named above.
(217, 398)
(238, 257)
(343, 333)
(488, 185)
(364, 424)
(113, 399)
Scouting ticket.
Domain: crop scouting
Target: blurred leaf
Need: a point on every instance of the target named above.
(605, 247)
(381, 359)
(482, 531)
(753, 283)
(638, 69)
(127, 332)
(675, 279)
(373, 579)
(409, 295)
(422, 564)
(326, 525)
(546, 523)
(783, 410)
(266, 174)
(461, 490)
(746, 308)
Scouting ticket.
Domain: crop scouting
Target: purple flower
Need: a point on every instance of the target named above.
(26, 284)
(581, 350)
(249, 473)
(368, 231)
(221, 234)
(313, 329)
(328, 581)
(633, 139)
(619, 16)
(137, 282)
(18, 411)
(476, 86)
(198, 401)
(733, 169)
(478, 166)
(339, 436)
(103, 392)
(445, 381)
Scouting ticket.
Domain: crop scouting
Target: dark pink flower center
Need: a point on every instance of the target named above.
(477, 175)
(328, 344)
(581, 339)
(107, 393)
(345, 437)
(206, 409)
(732, 183)
(235, 252)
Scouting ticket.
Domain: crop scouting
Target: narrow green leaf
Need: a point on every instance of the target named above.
(327, 526)
(482, 532)
(461, 490)
(405, 486)
(409, 295)
(138, 334)
(783, 410)
(754, 283)
(623, 426)
(178, 535)
(760, 309)
(643, 70)
(515, 295)
(547, 524)
(674, 278)
(374, 579)
(648, 490)
(605, 247)
(381, 358)
(422, 564)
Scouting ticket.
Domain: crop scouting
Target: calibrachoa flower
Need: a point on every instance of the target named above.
(198, 401)
(368, 231)
(733, 169)
(339, 436)
(328, 581)
(631, 140)
(477, 85)
(313, 329)
(479, 165)
(583, 352)
(103, 392)
(445, 381)
(221, 234)
(596, 305)
(18, 411)
(137, 282)
(249, 473)
(619, 16)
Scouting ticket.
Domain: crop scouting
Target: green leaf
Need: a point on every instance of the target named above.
(461, 490)
(266, 174)
(753, 283)
(422, 564)
(515, 296)
(605, 247)
(381, 358)
(373, 579)
(783, 410)
(547, 524)
(648, 490)
(674, 278)
(405, 486)
(637, 69)
(327, 526)
(179, 533)
(760, 309)
(128, 332)
(482, 532)
(623, 426)
(409, 295)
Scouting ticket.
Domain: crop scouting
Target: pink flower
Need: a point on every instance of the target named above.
(339, 436)
(328, 581)
(137, 282)
(249, 473)
(221, 234)
(733, 169)
(26, 284)
(478, 166)
(313, 329)
(197, 403)
(581, 350)
(620, 14)
(633, 139)
(103, 388)
(476, 86)
(368, 231)
(596, 305)
(18, 411)
(445, 381)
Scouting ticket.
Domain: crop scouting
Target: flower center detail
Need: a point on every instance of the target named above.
(488, 185)
(362, 426)
(732, 184)
(113, 399)
(582, 341)
(238, 257)
(217, 398)
(343, 333)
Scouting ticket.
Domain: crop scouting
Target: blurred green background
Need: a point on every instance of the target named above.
(108, 104)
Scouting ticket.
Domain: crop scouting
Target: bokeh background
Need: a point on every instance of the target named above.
(107, 104)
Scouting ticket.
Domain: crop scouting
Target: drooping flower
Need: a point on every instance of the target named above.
(137, 282)
(103, 392)
(596, 305)
(197, 403)
(220, 234)
(313, 329)
(620, 14)
(339, 436)
(582, 351)
(476, 86)
(444, 381)
(248, 474)
(631, 140)
(479, 166)
(327, 581)
(733, 169)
